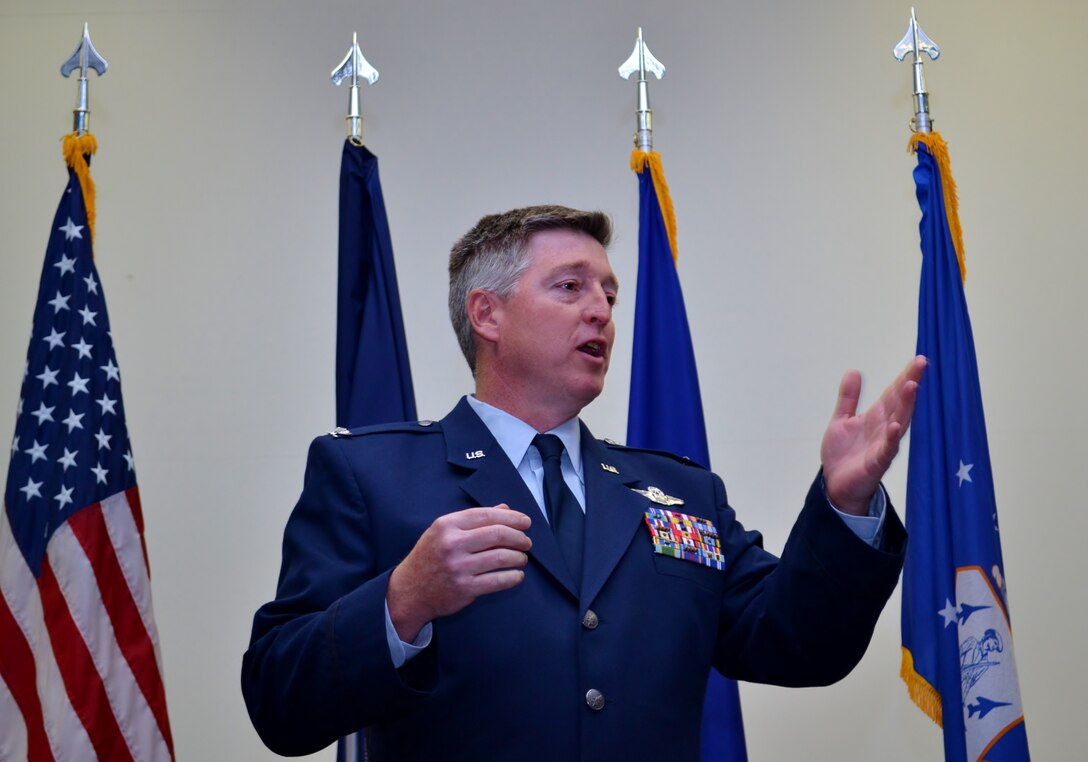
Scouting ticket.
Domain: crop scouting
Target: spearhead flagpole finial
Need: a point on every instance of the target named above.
(85, 57)
(354, 66)
(916, 42)
(642, 61)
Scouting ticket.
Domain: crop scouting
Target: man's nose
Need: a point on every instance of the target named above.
(598, 310)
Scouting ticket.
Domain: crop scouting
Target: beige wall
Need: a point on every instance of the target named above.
(783, 129)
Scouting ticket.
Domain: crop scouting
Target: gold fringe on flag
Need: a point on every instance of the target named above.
(76, 150)
(921, 692)
(938, 149)
(639, 161)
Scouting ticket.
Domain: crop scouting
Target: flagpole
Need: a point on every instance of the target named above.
(916, 42)
(85, 57)
(373, 377)
(958, 659)
(664, 379)
(642, 60)
(354, 66)
(76, 620)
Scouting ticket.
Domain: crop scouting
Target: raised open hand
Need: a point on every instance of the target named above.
(858, 448)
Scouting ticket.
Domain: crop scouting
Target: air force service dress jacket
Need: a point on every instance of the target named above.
(613, 668)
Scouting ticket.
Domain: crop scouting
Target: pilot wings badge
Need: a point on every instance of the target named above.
(657, 496)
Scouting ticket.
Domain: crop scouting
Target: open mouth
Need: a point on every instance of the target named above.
(592, 348)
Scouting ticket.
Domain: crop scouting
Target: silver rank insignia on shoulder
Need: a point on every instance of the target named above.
(340, 431)
(610, 469)
(659, 497)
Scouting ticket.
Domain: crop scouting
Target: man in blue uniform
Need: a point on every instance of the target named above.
(500, 585)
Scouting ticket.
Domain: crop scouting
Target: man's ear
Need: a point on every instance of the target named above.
(484, 313)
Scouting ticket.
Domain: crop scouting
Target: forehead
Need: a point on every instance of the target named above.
(561, 250)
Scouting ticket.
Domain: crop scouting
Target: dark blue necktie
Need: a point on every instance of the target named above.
(564, 512)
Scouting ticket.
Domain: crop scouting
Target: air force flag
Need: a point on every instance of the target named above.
(958, 659)
(665, 411)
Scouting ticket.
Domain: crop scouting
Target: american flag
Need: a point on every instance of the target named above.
(80, 674)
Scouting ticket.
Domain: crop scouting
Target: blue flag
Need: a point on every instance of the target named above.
(665, 411)
(958, 659)
(373, 378)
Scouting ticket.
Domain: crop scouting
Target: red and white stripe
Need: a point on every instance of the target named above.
(80, 675)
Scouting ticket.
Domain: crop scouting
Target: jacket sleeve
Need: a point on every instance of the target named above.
(318, 664)
(806, 619)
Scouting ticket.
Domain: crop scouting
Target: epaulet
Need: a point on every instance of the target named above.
(614, 445)
(404, 427)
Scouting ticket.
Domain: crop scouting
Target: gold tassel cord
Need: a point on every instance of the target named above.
(921, 692)
(938, 149)
(76, 150)
(639, 161)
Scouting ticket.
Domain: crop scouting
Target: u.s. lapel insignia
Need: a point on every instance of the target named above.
(474, 455)
(610, 469)
(659, 497)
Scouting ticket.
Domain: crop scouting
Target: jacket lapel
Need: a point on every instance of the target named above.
(492, 479)
(613, 515)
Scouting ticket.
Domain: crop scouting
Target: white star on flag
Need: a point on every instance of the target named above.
(54, 338)
(69, 459)
(113, 373)
(32, 489)
(964, 473)
(71, 230)
(107, 404)
(948, 612)
(99, 474)
(64, 497)
(59, 302)
(78, 384)
(88, 316)
(47, 377)
(83, 348)
(44, 413)
(66, 264)
(37, 452)
(73, 421)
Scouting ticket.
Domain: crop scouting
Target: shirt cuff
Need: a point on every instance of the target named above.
(402, 652)
(869, 528)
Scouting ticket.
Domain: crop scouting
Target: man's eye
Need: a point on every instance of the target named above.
(568, 285)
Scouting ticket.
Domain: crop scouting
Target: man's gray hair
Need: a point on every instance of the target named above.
(492, 257)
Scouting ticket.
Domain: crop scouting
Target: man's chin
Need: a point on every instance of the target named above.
(591, 390)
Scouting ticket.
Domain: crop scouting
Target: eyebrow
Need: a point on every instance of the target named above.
(582, 266)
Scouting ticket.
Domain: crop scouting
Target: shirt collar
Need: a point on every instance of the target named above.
(514, 435)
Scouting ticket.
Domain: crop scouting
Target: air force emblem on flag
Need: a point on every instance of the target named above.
(991, 693)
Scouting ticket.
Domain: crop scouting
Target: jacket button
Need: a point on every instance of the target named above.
(595, 699)
(590, 621)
